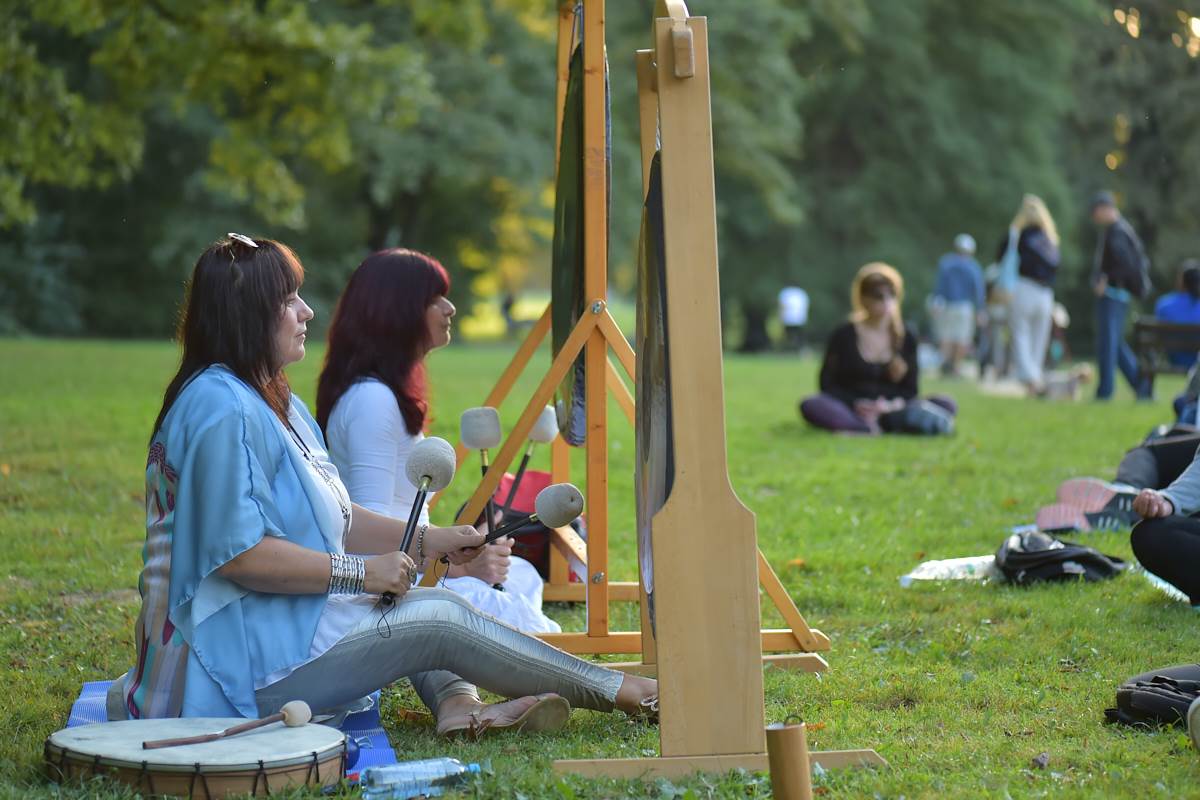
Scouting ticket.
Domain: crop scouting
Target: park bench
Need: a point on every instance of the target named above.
(1154, 339)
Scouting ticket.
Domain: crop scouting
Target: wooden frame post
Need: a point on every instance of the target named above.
(706, 564)
(594, 335)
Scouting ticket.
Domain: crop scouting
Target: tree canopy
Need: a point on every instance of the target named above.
(845, 131)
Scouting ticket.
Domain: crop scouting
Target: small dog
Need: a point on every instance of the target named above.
(1065, 384)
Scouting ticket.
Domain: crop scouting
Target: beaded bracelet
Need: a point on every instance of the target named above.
(420, 560)
(346, 574)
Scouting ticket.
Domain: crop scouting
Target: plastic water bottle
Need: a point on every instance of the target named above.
(427, 777)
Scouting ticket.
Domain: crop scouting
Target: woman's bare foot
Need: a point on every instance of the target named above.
(464, 715)
(638, 696)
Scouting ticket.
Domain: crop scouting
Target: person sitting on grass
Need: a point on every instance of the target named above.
(1182, 307)
(372, 403)
(249, 599)
(1086, 504)
(1167, 540)
(869, 375)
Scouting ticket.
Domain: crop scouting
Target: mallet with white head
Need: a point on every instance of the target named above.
(543, 432)
(480, 430)
(430, 467)
(293, 715)
(555, 506)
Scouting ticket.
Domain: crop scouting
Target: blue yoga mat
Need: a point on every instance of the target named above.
(365, 728)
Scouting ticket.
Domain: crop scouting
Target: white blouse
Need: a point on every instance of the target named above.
(368, 440)
(370, 445)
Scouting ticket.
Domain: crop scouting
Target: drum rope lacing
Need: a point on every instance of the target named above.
(146, 776)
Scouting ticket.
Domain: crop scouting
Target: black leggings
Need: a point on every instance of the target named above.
(1157, 463)
(1170, 548)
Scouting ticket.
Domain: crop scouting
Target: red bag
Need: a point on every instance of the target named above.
(532, 540)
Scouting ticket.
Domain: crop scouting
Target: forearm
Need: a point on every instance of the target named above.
(1184, 492)
(372, 533)
(278, 566)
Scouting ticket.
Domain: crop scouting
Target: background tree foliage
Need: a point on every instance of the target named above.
(337, 127)
(845, 131)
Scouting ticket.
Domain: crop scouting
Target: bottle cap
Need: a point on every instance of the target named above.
(472, 768)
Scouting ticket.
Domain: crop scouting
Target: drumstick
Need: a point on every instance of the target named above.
(293, 714)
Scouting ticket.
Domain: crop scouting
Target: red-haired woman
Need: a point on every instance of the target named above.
(869, 375)
(372, 402)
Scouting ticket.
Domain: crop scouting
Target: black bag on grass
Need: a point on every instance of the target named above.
(1160, 697)
(1033, 556)
(919, 418)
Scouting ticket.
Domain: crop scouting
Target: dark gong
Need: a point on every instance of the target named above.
(654, 471)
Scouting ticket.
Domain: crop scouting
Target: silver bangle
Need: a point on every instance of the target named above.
(347, 574)
(420, 560)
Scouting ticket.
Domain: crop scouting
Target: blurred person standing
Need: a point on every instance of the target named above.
(958, 295)
(1036, 240)
(1120, 272)
(793, 313)
(1182, 307)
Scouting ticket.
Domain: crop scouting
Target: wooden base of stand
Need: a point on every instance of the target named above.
(674, 767)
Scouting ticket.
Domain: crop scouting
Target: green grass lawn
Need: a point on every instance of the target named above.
(958, 686)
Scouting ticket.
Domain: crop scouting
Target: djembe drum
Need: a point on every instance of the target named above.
(259, 762)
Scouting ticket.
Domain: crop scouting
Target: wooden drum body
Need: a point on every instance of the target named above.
(259, 762)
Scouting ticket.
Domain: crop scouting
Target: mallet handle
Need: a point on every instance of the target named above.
(212, 737)
(410, 528)
(516, 524)
(512, 490)
(489, 512)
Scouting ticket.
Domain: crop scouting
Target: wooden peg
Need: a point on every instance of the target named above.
(787, 756)
(685, 55)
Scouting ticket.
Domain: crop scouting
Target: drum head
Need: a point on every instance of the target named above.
(119, 744)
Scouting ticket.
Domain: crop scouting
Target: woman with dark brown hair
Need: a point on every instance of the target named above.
(372, 403)
(250, 595)
(869, 375)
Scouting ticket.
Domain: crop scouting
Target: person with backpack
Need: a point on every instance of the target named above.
(1033, 240)
(1121, 272)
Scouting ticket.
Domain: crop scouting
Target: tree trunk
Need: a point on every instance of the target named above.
(754, 334)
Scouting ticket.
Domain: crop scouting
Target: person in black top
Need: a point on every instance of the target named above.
(1030, 309)
(1119, 273)
(869, 375)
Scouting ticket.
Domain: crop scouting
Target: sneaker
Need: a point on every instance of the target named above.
(1067, 517)
(1112, 503)
(1061, 517)
(1193, 722)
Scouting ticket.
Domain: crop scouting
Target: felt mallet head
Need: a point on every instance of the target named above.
(557, 505)
(480, 428)
(546, 427)
(431, 459)
(296, 713)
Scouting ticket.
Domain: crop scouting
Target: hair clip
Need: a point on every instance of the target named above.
(240, 237)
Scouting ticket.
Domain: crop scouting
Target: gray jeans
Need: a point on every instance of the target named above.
(445, 647)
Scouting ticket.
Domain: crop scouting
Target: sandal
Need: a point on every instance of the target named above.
(647, 710)
(548, 712)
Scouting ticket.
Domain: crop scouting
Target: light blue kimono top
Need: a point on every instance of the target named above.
(222, 474)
